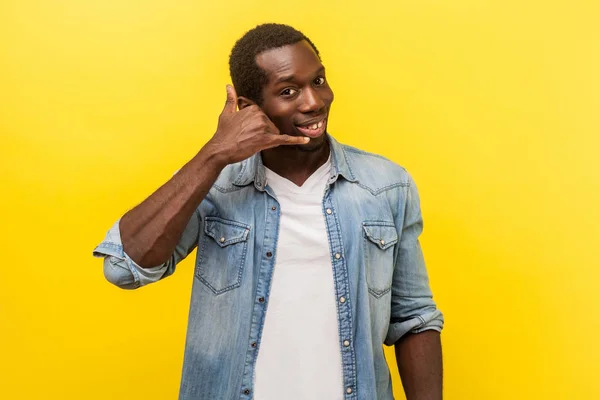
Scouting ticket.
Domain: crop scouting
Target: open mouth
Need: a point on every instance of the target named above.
(314, 129)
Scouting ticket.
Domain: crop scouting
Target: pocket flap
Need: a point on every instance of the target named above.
(225, 232)
(383, 234)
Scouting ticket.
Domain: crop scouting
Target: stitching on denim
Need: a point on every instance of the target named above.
(109, 246)
(337, 293)
(346, 278)
(262, 315)
(375, 292)
(374, 240)
(378, 222)
(383, 189)
(201, 256)
(242, 170)
(379, 294)
(227, 222)
(135, 273)
(347, 163)
(243, 263)
(236, 239)
(227, 190)
(200, 262)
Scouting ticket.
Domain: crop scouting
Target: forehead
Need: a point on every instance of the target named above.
(298, 60)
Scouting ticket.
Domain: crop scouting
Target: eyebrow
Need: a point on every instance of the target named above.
(290, 78)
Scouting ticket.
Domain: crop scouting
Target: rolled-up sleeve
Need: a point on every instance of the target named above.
(413, 309)
(122, 271)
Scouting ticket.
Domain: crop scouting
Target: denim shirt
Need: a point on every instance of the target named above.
(373, 221)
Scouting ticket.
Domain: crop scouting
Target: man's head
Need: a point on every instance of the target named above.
(279, 68)
(247, 76)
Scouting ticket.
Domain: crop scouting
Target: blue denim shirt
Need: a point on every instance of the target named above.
(373, 221)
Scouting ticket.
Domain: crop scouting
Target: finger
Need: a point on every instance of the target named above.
(271, 127)
(231, 103)
(279, 140)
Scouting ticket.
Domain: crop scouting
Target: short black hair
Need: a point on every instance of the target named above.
(247, 77)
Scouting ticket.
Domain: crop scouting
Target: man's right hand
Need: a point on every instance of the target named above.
(241, 134)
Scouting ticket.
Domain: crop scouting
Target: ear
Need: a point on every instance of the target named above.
(244, 102)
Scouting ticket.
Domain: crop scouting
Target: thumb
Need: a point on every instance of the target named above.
(231, 103)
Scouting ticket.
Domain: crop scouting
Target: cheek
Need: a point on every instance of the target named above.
(283, 123)
(282, 115)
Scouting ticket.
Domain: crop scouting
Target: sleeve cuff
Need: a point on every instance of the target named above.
(433, 320)
(119, 268)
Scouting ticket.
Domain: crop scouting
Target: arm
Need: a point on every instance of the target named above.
(150, 232)
(415, 320)
(122, 271)
(419, 359)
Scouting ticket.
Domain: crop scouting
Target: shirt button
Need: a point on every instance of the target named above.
(261, 299)
(246, 391)
(346, 343)
(328, 211)
(349, 390)
(338, 256)
(269, 254)
(222, 239)
(273, 208)
(253, 344)
(342, 299)
(382, 242)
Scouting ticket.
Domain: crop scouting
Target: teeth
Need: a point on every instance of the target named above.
(315, 126)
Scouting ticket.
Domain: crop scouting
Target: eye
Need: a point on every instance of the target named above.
(288, 92)
(320, 81)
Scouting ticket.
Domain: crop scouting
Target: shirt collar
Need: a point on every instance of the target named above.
(253, 169)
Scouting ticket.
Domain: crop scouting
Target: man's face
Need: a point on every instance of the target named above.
(297, 96)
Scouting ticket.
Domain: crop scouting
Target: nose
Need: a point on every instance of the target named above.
(310, 101)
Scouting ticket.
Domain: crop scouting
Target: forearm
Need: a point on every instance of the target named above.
(419, 358)
(150, 231)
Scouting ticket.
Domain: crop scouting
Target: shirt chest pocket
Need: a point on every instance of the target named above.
(222, 254)
(379, 240)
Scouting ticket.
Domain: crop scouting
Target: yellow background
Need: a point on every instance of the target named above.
(493, 106)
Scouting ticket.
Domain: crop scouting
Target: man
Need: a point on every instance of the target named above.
(308, 255)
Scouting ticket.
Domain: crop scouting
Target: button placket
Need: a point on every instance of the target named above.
(262, 288)
(344, 311)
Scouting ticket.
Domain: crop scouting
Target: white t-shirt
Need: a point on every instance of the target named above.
(299, 355)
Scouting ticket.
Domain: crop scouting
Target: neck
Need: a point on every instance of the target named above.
(295, 164)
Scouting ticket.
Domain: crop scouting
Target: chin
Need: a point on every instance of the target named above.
(315, 144)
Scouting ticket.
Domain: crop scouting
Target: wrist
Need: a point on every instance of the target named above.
(213, 156)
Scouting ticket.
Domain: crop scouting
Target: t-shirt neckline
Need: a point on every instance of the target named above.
(313, 183)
